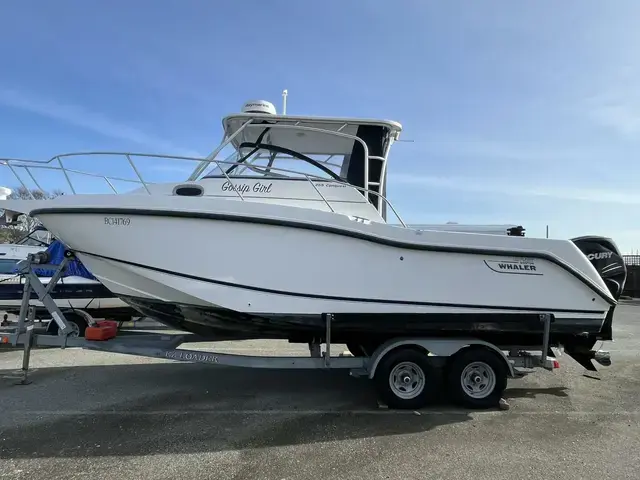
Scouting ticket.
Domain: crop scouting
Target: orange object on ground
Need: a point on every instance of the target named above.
(104, 330)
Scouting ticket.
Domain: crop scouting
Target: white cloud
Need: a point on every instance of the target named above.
(80, 117)
(489, 186)
(624, 117)
(616, 105)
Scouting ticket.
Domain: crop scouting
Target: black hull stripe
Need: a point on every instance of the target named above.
(217, 323)
(327, 229)
(336, 298)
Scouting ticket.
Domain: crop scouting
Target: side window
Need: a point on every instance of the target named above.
(7, 266)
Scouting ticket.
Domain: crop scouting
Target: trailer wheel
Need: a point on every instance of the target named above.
(476, 378)
(77, 323)
(405, 379)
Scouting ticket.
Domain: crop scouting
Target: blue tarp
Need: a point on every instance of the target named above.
(74, 267)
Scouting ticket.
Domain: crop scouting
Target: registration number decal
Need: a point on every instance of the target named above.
(117, 221)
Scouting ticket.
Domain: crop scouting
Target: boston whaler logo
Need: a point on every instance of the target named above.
(517, 266)
(243, 188)
(599, 255)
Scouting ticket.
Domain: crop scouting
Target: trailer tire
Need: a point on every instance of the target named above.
(476, 378)
(77, 323)
(405, 379)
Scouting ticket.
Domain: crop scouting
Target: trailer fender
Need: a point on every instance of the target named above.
(86, 316)
(436, 347)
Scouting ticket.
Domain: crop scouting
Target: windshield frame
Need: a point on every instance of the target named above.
(274, 150)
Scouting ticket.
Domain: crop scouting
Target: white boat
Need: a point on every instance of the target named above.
(295, 226)
(71, 292)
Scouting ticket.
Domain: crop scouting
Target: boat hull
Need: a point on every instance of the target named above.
(272, 271)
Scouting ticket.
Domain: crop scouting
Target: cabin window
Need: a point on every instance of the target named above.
(189, 190)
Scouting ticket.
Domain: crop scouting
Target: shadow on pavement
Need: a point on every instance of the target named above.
(533, 392)
(180, 408)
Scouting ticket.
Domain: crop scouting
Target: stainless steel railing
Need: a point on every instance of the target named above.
(56, 164)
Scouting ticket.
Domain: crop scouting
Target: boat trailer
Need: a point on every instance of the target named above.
(407, 372)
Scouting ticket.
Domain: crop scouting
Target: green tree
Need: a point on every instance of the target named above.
(13, 233)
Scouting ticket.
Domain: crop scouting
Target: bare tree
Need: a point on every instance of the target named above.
(25, 224)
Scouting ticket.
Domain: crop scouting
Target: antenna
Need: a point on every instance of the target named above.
(284, 101)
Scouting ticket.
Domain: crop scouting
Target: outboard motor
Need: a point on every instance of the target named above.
(604, 255)
(607, 260)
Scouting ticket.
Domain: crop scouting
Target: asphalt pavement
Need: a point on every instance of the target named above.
(108, 416)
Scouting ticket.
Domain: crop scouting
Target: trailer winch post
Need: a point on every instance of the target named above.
(26, 296)
(328, 318)
(28, 343)
(546, 319)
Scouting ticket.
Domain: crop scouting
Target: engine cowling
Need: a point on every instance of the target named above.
(604, 255)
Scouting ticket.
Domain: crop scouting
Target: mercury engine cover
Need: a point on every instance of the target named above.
(604, 255)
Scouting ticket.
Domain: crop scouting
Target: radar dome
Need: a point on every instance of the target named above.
(259, 106)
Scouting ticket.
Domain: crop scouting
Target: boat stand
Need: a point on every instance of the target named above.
(23, 333)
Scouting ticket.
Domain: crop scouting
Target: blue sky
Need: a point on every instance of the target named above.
(525, 112)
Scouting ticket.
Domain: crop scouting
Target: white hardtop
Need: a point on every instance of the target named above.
(304, 134)
(240, 118)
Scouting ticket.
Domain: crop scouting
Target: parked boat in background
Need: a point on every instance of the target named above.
(77, 289)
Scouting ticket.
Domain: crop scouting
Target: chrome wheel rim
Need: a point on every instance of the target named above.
(478, 380)
(407, 380)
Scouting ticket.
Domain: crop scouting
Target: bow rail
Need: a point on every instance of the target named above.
(56, 164)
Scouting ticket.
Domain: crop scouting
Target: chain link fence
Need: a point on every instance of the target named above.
(633, 260)
(632, 286)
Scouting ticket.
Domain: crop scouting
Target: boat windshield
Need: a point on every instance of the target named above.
(38, 237)
(259, 159)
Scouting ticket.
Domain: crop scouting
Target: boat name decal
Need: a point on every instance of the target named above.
(117, 221)
(191, 356)
(523, 266)
(242, 188)
(599, 255)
